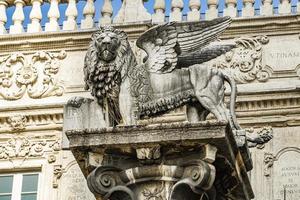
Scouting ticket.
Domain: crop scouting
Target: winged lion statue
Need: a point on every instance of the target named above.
(173, 73)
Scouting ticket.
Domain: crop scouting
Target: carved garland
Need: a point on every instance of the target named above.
(28, 78)
(23, 147)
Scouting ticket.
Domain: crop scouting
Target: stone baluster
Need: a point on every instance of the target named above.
(88, 12)
(18, 18)
(132, 11)
(194, 13)
(230, 9)
(284, 7)
(159, 11)
(298, 7)
(176, 13)
(53, 15)
(35, 17)
(248, 10)
(71, 14)
(3, 17)
(212, 11)
(266, 8)
(107, 11)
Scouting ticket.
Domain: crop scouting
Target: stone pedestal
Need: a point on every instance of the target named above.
(178, 161)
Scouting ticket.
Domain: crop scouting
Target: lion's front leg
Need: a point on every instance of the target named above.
(126, 104)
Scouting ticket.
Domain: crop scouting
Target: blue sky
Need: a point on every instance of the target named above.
(116, 6)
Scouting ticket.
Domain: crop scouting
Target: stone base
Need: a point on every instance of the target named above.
(179, 161)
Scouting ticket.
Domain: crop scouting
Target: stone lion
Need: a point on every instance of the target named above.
(172, 74)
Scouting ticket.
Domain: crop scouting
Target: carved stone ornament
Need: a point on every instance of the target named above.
(28, 79)
(172, 74)
(166, 162)
(244, 62)
(24, 147)
(17, 122)
(260, 138)
(57, 173)
(194, 160)
(269, 161)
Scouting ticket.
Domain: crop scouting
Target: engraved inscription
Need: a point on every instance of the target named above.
(287, 176)
(282, 54)
(74, 186)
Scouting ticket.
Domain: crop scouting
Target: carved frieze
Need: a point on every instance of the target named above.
(34, 76)
(244, 62)
(24, 147)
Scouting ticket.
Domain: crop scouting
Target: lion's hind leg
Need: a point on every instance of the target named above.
(208, 86)
(196, 112)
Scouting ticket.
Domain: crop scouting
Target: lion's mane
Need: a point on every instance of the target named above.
(104, 80)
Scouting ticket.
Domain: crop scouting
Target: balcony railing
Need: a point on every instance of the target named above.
(19, 16)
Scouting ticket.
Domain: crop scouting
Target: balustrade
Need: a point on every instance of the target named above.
(159, 11)
(176, 13)
(194, 13)
(88, 13)
(18, 18)
(212, 11)
(131, 11)
(71, 13)
(3, 17)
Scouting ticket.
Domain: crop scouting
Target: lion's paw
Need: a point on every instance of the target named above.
(76, 102)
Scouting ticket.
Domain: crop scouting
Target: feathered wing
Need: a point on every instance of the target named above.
(165, 43)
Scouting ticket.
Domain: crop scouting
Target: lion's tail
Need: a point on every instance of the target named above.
(233, 95)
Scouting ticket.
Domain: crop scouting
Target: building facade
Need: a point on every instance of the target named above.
(41, 68)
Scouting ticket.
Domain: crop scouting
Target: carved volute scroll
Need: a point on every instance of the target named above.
(34, 76)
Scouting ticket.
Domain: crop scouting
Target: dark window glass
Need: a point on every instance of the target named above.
(30, 182)
(28, 197)
(6, 184)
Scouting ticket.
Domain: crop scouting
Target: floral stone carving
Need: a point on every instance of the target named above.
(244, 63)
(20, 75)
(24, 147)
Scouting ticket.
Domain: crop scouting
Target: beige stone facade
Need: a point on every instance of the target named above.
(40, 71)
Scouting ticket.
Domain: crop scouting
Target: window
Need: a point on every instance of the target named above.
(19, 186)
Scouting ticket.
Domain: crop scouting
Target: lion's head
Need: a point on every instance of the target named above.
(107, 62)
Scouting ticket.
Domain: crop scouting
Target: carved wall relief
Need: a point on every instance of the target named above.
(35, 76)
(17, 122)
(24, 147)
(244, 62)
(57, 173)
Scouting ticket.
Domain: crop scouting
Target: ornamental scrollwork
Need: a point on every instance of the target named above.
(24, 147)
(35, 76)
(244, 62)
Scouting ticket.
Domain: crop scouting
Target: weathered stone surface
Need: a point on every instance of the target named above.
(134, 154)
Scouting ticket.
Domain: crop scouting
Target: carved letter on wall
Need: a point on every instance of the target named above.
(36, 76)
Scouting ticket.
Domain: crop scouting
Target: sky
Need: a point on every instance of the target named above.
(116, 6)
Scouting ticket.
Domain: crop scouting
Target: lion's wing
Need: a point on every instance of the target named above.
(164, 43)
